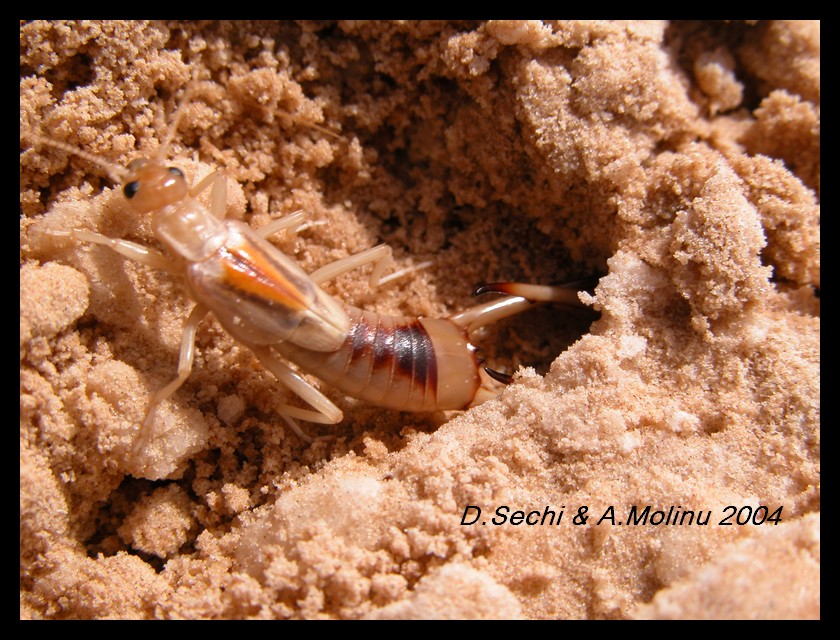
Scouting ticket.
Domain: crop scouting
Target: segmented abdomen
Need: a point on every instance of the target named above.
(408, 364)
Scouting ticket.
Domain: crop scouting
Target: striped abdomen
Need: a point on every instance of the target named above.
(408, 364)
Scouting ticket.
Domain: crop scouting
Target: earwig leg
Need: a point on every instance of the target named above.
(325, 412)
(185, 363)
(291, 222)
(399, 273)
(380, 255)
(218, 192)
(296, 428)
(131, 250)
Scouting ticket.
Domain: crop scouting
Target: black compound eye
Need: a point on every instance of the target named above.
(175, 171)
(130, 189)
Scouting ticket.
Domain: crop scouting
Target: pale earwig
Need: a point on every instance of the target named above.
(269, 304)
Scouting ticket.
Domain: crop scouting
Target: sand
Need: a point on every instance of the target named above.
(679, 163)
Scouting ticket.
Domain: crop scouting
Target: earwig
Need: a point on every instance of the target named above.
(265, 301)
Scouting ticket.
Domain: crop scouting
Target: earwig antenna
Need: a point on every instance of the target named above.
(176, 118)
(115, 172)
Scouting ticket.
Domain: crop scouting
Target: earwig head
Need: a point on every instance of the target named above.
(150, 185)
